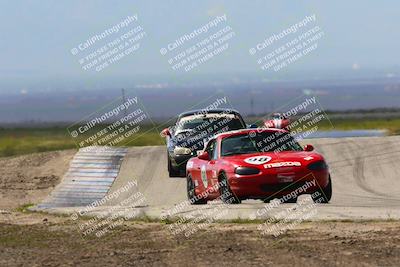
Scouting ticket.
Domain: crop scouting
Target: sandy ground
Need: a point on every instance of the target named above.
(30, 178)
(47, 240)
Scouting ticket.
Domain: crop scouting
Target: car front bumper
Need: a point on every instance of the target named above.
(264, 186)
(178, 162)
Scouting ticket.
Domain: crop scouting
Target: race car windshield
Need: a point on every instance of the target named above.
(260, 142)
(210, 124)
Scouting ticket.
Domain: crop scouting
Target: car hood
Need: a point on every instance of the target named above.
(259, 159)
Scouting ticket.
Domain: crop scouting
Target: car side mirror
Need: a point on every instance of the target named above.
(252, 126)
(308, 148)
(204, 156)
(165, 132)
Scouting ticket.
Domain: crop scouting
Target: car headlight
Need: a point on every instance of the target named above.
(246, 170)
(318, 166)
(182, 150)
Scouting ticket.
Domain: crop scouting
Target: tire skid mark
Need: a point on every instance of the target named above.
(359, 174)
(150, 169)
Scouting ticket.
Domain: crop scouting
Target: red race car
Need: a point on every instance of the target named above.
(257, 164)
(277, 121)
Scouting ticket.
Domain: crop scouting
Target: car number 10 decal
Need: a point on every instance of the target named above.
(258, 160)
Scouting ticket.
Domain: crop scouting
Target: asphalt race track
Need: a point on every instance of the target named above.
(365, 175)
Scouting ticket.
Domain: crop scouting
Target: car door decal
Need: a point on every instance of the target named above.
(204, 176)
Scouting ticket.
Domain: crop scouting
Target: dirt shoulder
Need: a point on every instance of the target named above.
(30, 178)
(47, 240)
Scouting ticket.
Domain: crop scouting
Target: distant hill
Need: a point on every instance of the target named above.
(165, 101)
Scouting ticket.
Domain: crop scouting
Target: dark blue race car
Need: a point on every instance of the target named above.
(191, 130)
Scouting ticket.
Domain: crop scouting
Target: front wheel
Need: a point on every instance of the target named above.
(171, 171)
(191, 192)
(323, 195)
(225, 191)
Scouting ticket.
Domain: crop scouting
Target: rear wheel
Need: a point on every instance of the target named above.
(225, 191)
(191, 192)
(323, 195)
(171, 171)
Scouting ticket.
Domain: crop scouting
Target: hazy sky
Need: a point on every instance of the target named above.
(36, 37)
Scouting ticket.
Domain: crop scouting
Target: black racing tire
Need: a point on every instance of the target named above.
(225, 191)
(171, 171)
(325, 194)
(191, 193)
(291, 200)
